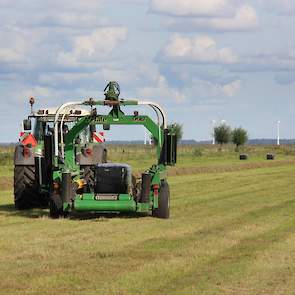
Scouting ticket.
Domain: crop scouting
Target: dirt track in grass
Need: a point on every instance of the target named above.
(175, 171)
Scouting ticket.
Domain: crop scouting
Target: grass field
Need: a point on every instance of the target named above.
(231, 231)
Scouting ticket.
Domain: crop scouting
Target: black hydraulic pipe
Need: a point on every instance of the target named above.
(163, 156)
(48, 158)
(174, 149)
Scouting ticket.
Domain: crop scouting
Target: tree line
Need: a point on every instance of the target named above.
(223, 134)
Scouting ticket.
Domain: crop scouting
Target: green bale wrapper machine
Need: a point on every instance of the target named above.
(108, 187)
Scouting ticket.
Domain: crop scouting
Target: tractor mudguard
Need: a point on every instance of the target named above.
(23, 157)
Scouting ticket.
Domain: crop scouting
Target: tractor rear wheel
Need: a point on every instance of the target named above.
(163, 210)
(104, 156)
(26, 194)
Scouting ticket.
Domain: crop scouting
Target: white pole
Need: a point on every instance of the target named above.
(278, 132)
(213, 136)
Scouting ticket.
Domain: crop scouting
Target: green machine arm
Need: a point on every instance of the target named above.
(111, 119)
(115, 117)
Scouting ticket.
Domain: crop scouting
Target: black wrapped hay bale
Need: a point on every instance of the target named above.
(112, 178)
(270, 156)
(244, 157)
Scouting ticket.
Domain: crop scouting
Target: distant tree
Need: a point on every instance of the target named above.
(239, 137)
(222, 134)
(178, 130)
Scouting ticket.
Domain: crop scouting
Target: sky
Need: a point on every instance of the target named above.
(204, 60)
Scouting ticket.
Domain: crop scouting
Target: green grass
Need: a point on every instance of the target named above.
(229, 233)
(142, 157)
(6, 170)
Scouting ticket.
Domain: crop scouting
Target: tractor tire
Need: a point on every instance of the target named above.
(26, 194)
(55, 207)
(163, 210)
(104, 156)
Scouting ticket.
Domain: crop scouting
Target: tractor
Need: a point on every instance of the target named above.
(101, 186)
(32, 162)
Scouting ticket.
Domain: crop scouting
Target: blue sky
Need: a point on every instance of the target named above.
(230, 60)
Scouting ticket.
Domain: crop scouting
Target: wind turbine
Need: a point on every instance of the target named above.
(278, 132)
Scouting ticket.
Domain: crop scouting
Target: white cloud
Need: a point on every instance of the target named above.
(126, 72)
(101, 41)
(10, 56)
(132, 74)
(66, 19)
(202, 49)
(214, 93)
(161, 90)
(63, 80)
(68, 5)
(281, 61)
(38, 14)
(92, 79)
(232, 88)
(279, 6)
(131, 1)
(192, 7)
(36, 92)
(244, 19)
(16, 46)
(94, 47)
(285, 78)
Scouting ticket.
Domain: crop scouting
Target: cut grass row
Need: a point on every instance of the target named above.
(229, 233)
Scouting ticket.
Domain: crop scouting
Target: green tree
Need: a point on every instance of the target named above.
(222, 134)
(239, 137)
(178, 130)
